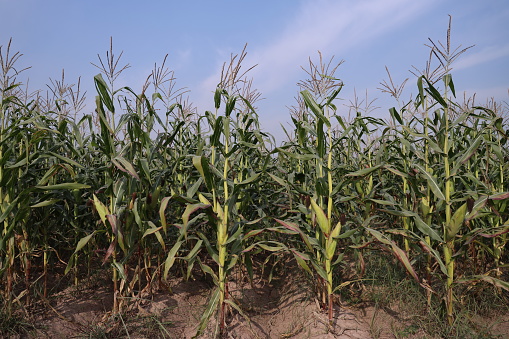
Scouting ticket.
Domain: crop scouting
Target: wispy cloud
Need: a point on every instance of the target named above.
(487, 54)
(333, 27)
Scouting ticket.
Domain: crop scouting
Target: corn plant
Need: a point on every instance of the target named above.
(323, 226)
(36, 170)
(444, 185)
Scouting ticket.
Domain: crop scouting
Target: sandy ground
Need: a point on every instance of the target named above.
(284, 308)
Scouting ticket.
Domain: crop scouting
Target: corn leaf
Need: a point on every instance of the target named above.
(170, 259)
(63, 186)
(46, 203)
(125, 166)
(432, 183)
(323, 221)
(456, 221)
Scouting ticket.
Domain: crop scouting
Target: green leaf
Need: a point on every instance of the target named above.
(396, 115)
(320, 270)
(335, 232)
(427, 247)
(457, 220)
(421, 90)
(151, 230)
(478, 205)
(250, 179)
(270, 248)
(217, 96)
(8, 210)
(101, 209)
(398, 252)
(20, 163)
(395, 171)
(125, 166)
(154, 229)
(278, 180)
(491, 280)
(190, 209)
(194, 251)
(330, 248)
(162, 209)
(303, 157)
(46, 203)
(321, 218)
(346, 234)
(120, 268)
(364, 171)
(315, 108)
(435, 94)
(426, 229)
(467, 154)
(70, 161)
(170, 259)
(432, 183)
(403, 213)
(218, 129)
(194, 188)
(383, 202)
(64, 186)
(230, 106)
(449, 83)
(300, 257)
(104, 93)
(206, 269)
(290, 225)
(212, 251)
(83, 241)
(202, 165)
(209, 310)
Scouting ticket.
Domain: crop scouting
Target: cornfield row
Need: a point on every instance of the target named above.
(147, 184)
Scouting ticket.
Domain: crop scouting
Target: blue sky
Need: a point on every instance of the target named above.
(281, 35)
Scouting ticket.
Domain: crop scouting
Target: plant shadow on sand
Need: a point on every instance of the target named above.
(285, 307)
(279, 309)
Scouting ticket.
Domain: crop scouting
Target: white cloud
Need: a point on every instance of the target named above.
(333, 27)
(487, 54)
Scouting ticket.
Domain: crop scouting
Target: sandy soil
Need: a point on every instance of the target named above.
(284, 308)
